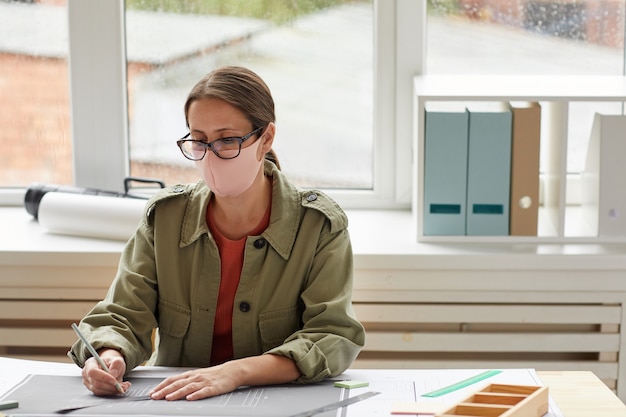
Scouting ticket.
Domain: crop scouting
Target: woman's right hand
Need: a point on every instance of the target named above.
(101, 382)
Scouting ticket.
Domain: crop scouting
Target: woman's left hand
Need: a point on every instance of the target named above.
(196, 384)
(220, 379)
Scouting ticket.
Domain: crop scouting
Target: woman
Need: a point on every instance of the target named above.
(247, 278)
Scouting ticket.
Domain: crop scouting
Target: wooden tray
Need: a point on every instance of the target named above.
(499, 400)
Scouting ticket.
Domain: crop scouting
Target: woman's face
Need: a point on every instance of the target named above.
(213, 119)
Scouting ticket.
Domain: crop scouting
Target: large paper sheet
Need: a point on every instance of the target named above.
(45, 395)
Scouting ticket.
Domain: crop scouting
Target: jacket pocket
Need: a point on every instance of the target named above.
(277, 325)
(174, 319)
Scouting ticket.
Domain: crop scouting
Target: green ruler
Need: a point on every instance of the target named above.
(462, 384)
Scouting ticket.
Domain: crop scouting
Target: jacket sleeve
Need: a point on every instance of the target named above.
(331, 336)
(125, 319)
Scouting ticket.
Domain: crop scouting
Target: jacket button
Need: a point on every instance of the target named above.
(178, 189)
(244, 306)
(259, 243)
(311, 197)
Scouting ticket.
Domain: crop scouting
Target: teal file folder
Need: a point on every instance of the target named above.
(445, 171)
(489, 171)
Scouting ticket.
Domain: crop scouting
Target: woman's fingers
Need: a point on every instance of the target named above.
(194, 385)
(101, 382)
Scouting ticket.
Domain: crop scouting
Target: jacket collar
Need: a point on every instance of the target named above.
(286, 209)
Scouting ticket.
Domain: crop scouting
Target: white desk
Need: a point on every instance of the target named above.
(577, 394)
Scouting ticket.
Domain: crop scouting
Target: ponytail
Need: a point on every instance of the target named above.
(271, 156)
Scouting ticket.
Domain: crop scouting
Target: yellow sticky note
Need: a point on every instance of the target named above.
(351, 384)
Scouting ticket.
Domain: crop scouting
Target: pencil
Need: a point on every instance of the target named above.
(96, 356)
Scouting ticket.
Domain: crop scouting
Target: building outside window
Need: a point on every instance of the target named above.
(317, 58)
(35, 133)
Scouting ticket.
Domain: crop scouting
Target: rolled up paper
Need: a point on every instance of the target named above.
(90, 215)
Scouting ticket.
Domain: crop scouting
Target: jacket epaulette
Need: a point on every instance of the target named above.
(321, 202)
(167, 193)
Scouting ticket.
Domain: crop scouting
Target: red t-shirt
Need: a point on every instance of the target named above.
(231, 256)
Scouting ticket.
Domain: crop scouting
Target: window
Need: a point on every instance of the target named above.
(387, 185)
(317, 58)
(372, 142)
(532, 37)
(35, 117)
(361, 152)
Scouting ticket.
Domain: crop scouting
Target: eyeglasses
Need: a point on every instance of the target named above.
(224, 148)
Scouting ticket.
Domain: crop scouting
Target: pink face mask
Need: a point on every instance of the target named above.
(230, 177)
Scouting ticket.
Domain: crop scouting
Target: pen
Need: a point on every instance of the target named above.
(96, 356)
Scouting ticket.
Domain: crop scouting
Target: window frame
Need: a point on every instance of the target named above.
(99, 106)
(99, 99)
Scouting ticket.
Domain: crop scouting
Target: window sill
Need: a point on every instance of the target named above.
(380, 239)
(24, 242)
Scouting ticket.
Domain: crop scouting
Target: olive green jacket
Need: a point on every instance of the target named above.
(293, 299)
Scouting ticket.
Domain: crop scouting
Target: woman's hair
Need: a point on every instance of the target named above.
(241, 88)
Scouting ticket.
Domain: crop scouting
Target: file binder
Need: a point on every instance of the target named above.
(488, 169)
(525, 145)
(445, 169)
(602, 191)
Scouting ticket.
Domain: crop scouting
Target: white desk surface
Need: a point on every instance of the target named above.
(571, 388)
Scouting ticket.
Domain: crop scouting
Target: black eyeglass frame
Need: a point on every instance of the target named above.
(210, 145)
